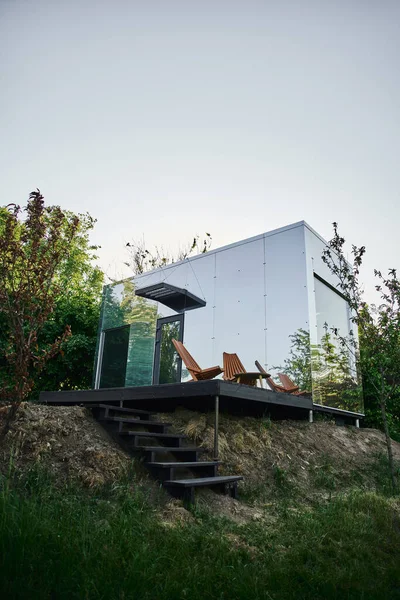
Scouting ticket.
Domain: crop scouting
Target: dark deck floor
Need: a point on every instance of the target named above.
(200, 395)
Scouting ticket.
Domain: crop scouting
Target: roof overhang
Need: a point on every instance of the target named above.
(179, 299)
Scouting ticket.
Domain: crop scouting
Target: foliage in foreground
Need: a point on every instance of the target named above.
(378, 326)
(111, 543)
(49, 299)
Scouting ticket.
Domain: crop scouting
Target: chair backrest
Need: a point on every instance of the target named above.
(232, 365)
(274, 387)
(286, 381)
(260, 368)
(187, 358)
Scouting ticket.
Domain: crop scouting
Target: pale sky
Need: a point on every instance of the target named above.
(170, 118)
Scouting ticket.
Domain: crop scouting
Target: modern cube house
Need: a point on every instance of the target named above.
(269, 298)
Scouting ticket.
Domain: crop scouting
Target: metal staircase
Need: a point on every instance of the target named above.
(168, 456)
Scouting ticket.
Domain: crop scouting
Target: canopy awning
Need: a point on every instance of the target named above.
(178, 299)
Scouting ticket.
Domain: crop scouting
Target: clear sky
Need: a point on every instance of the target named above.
(170, 118)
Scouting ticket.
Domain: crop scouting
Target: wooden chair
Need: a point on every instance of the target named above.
(274, 386)
(194, 369)
(235, 371)
(289, 385)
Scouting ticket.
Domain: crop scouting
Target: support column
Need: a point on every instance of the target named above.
(216, 427)
(358, 423)
(310, 416)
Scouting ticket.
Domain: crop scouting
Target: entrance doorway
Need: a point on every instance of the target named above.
(167, 363)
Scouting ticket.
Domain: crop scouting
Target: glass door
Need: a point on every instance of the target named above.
(114, 357)
(167, 363)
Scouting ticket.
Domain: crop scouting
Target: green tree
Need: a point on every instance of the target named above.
(44, 253)
(77, 305)
(373, 413)
(379, 327)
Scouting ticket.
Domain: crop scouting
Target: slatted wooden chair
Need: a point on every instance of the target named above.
(288, 384)
(197, 373)
(274, 386)
(235, 371)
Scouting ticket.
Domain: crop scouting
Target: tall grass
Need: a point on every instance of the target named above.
(110, 544)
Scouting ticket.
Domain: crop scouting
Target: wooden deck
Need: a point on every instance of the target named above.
(200, 395)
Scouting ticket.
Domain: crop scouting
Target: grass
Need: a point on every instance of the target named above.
(109, 543)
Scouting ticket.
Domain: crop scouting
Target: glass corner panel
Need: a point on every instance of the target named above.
(334, 353)
(122, 308)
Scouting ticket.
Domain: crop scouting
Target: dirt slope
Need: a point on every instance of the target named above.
(287, 459)
(67, 440)
(290, 458)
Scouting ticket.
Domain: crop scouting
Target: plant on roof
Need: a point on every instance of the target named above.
(141, 259)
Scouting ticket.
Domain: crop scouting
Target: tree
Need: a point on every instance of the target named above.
(77, 305)
(37, 246)
(379, 327)
(142, 259)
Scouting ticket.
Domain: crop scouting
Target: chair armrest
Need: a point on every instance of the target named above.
(211, 369)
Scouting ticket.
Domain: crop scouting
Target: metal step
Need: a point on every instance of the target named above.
(184, 488)
(170, 439)
(170, 449)
(203, 481)
(124, 424)
(135, 421)
(120, 409)
(186, 464)
(172, 470)
(179, 436)
(184, 452)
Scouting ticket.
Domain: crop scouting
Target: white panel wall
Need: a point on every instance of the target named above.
(286, 291)
(239, 303)
(256, 298)
(199, 323)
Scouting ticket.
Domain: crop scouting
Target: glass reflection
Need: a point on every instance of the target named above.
(298, 364)
(169, 359)
(335, 378)
(114, 357)
(122, 307)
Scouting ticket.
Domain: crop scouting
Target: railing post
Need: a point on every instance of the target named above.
(216, 426)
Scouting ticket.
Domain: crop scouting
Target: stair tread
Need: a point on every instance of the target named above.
(138, 421)
(200, 481)
(152, 434)
(170, 449)
(138, 411)
(210, 463)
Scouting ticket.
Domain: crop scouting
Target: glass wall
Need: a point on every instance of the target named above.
(122, 308)
(335, 381)
(115, 352)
